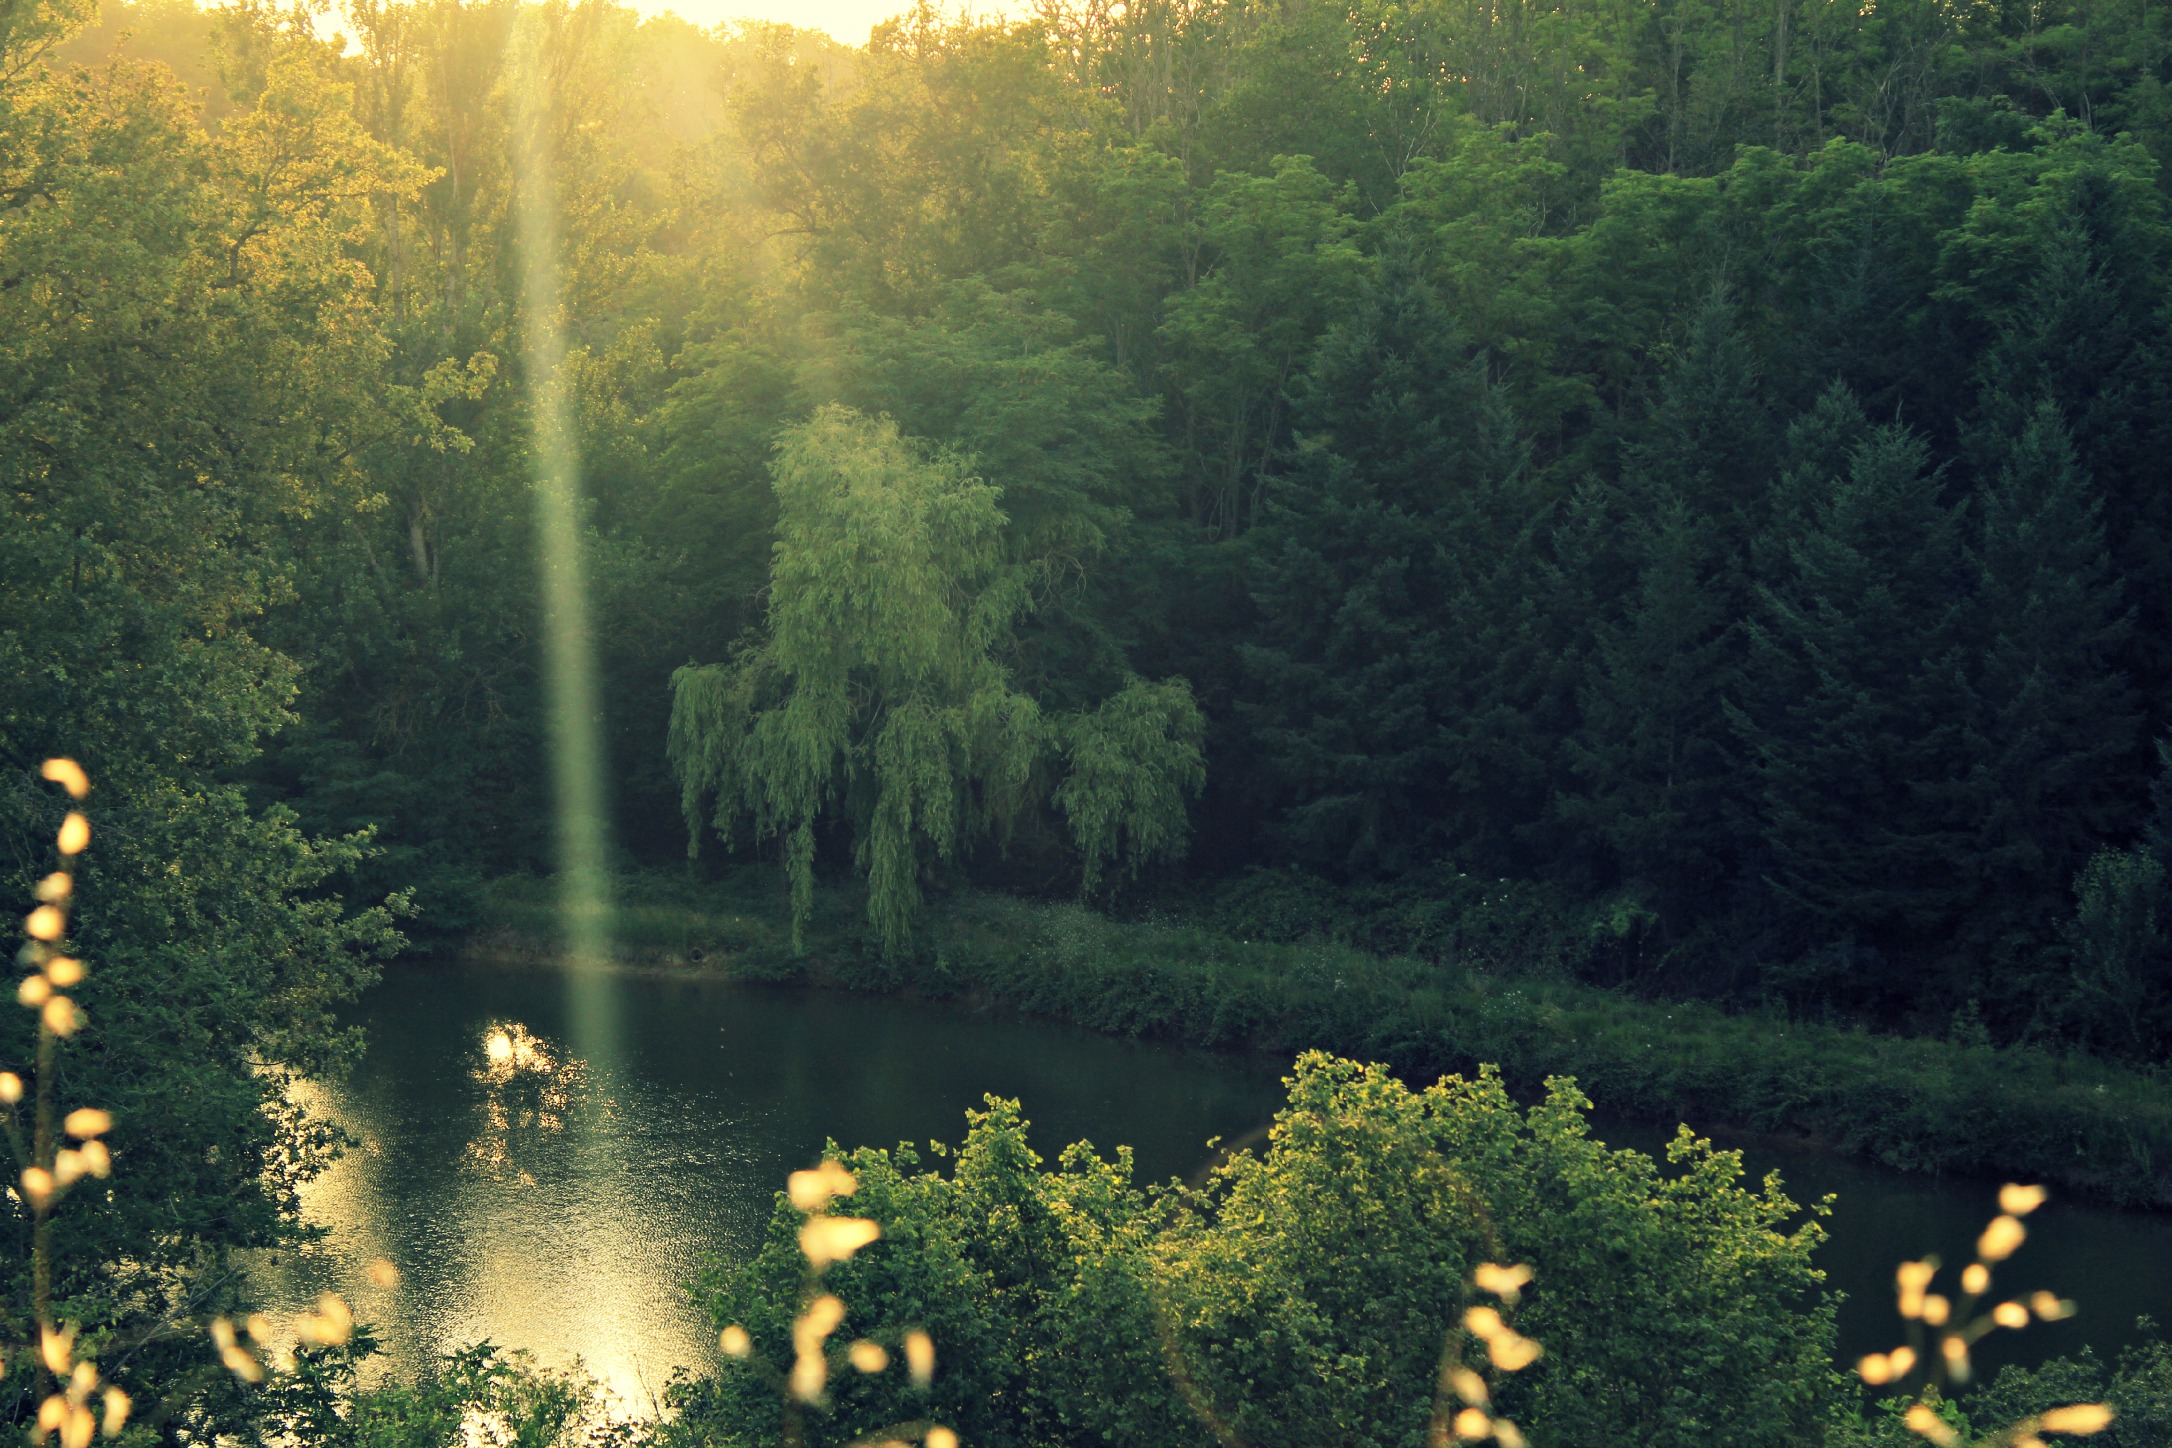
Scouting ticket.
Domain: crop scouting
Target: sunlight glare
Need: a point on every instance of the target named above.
(845, 21)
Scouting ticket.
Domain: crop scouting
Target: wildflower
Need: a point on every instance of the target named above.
(920, 1357)
(68, 775)
(60, 1016)
(1506, 1283)
(45, 923)
(116, 1416)
(1470, 1387)
(1913, 1278)
(74, 835)
(834, 1239)
(868, 1357)
(242, 1365)
(1955, 1351)
(86, 1122)
(2001, 1238)
(38, 1186)
(2082, 1418)
(2019, 1201)
(811, 1190)
(941, 1437)
(1975, 1279)
(11, 1088)
(57, 1349)
(331, 1325)
(95, 1158)
(2048, 1307)
(1507, 1434)
(1484, 1323)
(55, 887)
(2010, 1314)
(64, 971)
(1936, 1310)
(735, 1341)
(1512, 1353)
(35, 991)
(1470, 1423)
(1924, 1421)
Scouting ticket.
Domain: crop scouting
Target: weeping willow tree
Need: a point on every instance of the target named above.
(876, 695)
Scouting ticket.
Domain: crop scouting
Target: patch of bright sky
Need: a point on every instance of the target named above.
(845, 20)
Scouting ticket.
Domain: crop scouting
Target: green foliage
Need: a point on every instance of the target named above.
(878, 690)
(1074, 1305)
(1266, 971)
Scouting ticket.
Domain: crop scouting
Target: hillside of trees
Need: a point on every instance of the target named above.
(1695, 467)
(1681, 481)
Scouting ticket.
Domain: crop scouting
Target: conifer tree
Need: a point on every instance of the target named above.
(1393, 674)
(1857, 673)
(2057, 721)
(1651, 753)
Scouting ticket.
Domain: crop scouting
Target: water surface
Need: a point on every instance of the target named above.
(549, 1156)
(635, 1124)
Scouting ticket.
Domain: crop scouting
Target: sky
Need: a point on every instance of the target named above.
(845, 20)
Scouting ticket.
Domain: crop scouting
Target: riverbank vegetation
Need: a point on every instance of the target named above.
(1627, 540)
(1967, 1106)
(1695, 469)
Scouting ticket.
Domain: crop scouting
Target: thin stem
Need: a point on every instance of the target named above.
(41, 1238)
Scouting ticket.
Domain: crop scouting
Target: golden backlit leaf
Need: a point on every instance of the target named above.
(1925, 1422)
(2082, 1418)
(86, 1122)
(2019, 1201)
(920, 1357)
(834, 1239)
(68, 775)
(2001, 1238)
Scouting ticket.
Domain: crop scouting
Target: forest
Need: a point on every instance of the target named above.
(1676, 488)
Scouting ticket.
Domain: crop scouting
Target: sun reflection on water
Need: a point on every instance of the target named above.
(528, 1093)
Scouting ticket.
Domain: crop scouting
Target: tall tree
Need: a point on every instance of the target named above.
(878, 693)
(1399, 664)
(1859, 698)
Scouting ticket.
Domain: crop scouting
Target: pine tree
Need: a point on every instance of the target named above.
(2057, 722)
(1397, 670)
(1857, 701)
(1652, 752)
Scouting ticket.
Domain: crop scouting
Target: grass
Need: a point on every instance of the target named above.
(2091, 1128)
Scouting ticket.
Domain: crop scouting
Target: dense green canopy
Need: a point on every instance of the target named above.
(1691, 469)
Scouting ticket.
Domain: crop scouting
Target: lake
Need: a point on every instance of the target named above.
(547, 1155)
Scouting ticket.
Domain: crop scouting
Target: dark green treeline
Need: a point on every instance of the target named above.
(1701, 463)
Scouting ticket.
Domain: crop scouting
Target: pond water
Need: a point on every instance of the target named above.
(548, 1155)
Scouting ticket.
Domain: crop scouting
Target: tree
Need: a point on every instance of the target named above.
(1858, 699)
(1304, 1294)
(1399, 662)
(2058, 720)
(878, 691)
(188, 356)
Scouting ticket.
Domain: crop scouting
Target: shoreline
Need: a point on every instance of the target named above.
(2099, 1132)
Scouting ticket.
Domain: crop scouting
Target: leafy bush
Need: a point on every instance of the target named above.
(1302, 1296)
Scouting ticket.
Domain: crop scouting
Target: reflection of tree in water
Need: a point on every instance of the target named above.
(528, 1091)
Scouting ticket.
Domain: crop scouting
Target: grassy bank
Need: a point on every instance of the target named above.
(1923, 1105)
